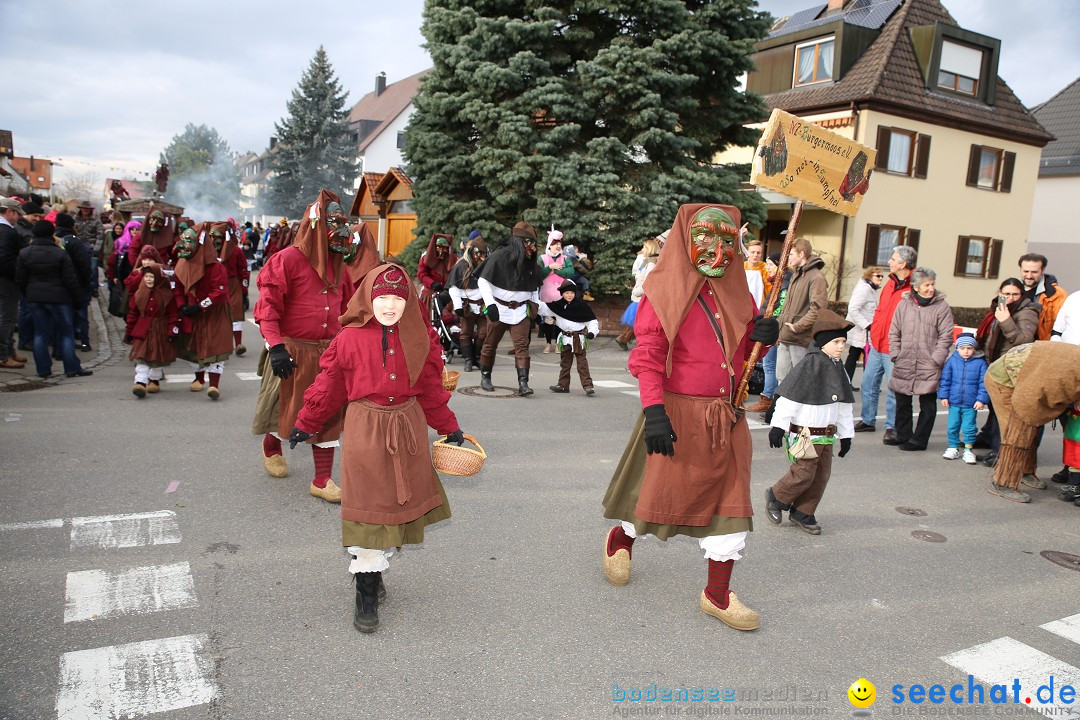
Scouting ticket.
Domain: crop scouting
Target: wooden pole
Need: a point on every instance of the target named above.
(770, 305)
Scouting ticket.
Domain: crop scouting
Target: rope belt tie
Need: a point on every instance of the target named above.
(720, 418)
(397, 431)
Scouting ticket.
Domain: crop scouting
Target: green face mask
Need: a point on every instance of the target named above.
(713, 238)
(187, 244)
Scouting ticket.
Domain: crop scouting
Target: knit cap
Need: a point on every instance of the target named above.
(966, 340)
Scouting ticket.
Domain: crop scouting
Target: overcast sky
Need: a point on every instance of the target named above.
(103, 86)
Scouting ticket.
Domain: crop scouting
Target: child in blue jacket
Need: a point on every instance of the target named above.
(963, 392)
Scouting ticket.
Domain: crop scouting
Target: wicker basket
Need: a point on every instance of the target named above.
(449, 379)
(455, 460)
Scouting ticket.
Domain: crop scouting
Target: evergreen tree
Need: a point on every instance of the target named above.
(314, 149)
(203, 174)
(599, 117)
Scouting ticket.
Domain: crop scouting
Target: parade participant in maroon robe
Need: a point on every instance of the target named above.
(694, 325)
(147, 254)
(153, 323)
(303, 289)
(160, 231)
(236, 269)
(434, 268)
(201, 290)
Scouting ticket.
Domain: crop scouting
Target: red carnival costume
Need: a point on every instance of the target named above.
(205, 338)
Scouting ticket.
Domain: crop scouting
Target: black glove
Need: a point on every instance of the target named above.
(189, 310)
(298, 436)
(766, 330)
(776, 437)
(281, 362)
(460, 312)
(128, 339)
(457, 437)
(845, 446)
(436, 286)
(247, 303)
(590, 335)
(659, 435)
(492, 311)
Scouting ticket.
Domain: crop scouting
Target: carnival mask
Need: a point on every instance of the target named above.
(187, 244)
(337, 230)
(156, 221)
(713, 238)
(217, 236)
(530, 247)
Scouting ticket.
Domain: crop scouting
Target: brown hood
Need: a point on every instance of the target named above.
(189, 271)
(367, 255)
(448, 263)
(161, 289)
(232, 242)
(413, 329)
(673, 285)
(311, 240)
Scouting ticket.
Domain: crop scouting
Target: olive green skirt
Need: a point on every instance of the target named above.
(621, 499)
(384, 537)
(266, 405)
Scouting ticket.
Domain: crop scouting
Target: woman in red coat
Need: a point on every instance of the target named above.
(236, 269)
(205, 338)
(434, 268)
(386, 365)
(152, 326)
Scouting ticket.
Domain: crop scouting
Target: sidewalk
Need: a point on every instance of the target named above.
(105, 328)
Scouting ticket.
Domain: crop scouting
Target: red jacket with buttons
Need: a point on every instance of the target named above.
(294, 301)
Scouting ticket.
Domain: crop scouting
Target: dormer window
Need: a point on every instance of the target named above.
(960, 68)
(814, 62)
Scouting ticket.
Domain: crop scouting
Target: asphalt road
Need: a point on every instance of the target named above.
(151, 566)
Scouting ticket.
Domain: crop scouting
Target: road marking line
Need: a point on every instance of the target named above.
(178, 379)
(252, 321)
(632, 393)
(1000, 661)
(611, 384)
(249, 376)
(34, 524)
(136, 679)
(1068, 628)
(94, 594)
(120, 531)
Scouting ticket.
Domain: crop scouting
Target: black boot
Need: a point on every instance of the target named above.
(467, 353)
(485, 378)
(523, 382)
(366, 615)
(1061, 476)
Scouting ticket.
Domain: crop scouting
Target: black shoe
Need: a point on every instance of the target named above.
(989, 459)
(773, 508)
(590, 392)
(807, 522)
(1070, 493)
(523, 382)
(860, 426)
(558, 389)
(85, 347)
(911, 446)
(79, 373)
(1061, 476)
(366, 614)
(26, 346)
(889, 438)
(981, 443)
(622, 345)
(485, 379)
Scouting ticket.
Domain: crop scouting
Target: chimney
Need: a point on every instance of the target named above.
(834, 6)
(380, 84)
(31, 163)
(273, 142)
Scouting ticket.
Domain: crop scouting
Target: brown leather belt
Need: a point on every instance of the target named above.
(511, 303)
(828, 431)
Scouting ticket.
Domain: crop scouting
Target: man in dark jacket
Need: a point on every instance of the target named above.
(90, 230)
(32, 212)
(46, 276)
(80, 256)
(10, 244)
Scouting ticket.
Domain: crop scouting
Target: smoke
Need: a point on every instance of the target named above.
(210, 193)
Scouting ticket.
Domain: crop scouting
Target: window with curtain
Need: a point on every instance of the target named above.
(888, 239)
(989, 159)
(976, 256)
(900, 146)
(961, 66)
(814, 62)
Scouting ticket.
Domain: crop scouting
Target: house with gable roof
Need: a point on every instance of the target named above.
(383, 190)
(1052, 231)
(958, 154)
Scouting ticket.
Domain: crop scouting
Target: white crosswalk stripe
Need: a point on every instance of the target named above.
(611, 384)
(248, 376)
(1004, 660)
(136, 679)
(122, 531)
(95, 594)
(1068, 628)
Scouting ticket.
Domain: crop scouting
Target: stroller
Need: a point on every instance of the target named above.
(446, 326)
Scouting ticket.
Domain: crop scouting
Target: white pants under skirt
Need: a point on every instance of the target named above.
(716, 547)
(368, 560)
(145, 373)
(217, 367)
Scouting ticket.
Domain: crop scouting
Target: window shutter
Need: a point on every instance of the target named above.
(1007, 164)
(922, 156)
(884, 135)
(973, 166)
(995, 258)
(873, 234)
(961, 257)
(911, 238)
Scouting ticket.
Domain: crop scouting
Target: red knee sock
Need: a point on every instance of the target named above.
(238, 336)
(215, 378)
(719, 579)
(324, 463)
(200, 377)
(620, 541)
(271, 445)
